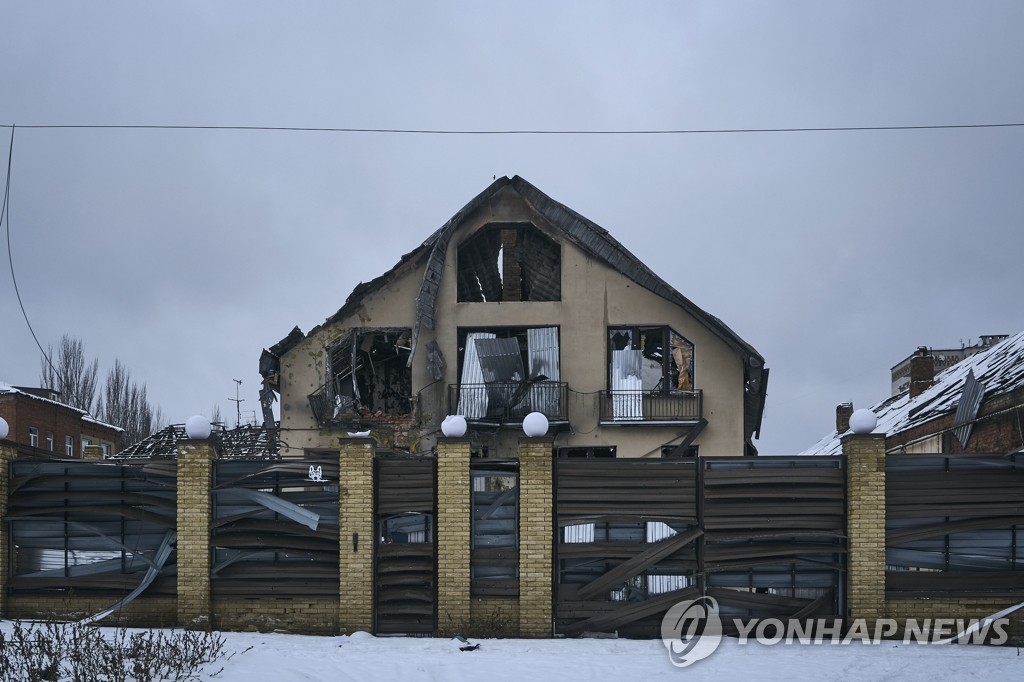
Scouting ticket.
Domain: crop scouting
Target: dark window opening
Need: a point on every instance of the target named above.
(368, 372)
(587, 453)
(509, 262)
(675, 451)
(649, 359)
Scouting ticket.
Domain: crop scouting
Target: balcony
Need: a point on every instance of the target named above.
(337, 411)
(508, 402)
(651, 409)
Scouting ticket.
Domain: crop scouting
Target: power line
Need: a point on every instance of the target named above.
(439, 131)
(5, 212)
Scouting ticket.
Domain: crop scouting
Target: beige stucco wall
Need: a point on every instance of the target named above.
(594, 297)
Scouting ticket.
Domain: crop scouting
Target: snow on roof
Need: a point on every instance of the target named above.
(9, 389)
(1000, 369)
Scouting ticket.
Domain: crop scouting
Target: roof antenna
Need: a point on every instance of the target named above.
(238, 403)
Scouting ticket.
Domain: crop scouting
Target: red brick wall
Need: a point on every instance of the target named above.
(23, 412)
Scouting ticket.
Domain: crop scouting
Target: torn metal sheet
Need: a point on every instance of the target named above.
(275, 504)
(967, 410)
(162, 554)
(542, 352)
(473, 403)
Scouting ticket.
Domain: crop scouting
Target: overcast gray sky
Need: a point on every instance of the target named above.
(184, 253)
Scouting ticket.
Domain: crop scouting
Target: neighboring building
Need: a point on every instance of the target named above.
(519, 304)
(975, 406)
(944, 357)
(37, 419)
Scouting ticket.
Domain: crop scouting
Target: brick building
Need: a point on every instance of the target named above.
(974, 406)
(37, 419)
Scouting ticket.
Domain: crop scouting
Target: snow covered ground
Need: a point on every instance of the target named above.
(364, 657)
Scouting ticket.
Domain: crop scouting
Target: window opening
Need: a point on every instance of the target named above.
(509, 262)
(369, 372)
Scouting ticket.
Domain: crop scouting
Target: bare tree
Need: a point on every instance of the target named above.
(215, 414)
(124, 403)
(70, 374)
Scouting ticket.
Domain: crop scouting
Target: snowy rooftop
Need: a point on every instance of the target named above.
(9, 389)
(1000, 369)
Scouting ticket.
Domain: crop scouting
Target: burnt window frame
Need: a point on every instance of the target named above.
(490, 266)
(669, 381)
(345, 390)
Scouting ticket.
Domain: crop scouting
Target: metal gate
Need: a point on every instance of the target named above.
(405, 599)
(765, 537)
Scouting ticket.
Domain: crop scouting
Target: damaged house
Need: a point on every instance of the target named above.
(516, 305)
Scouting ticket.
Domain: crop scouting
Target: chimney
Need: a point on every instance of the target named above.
(843, 412)
(922, 371)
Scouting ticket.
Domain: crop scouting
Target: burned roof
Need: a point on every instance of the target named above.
(584, 233)
(248, 441)
(1000, 369)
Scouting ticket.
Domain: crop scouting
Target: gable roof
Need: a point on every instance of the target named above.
(588, 236)
(1000, 368)
(584, 233)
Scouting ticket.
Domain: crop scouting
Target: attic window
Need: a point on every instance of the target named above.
(368, 372)
(509, 262)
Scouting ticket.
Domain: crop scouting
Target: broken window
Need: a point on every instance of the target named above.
(495, 530)
(368, 372)
(586, 452)
(509, 372)
(646, 361)
(509, 262)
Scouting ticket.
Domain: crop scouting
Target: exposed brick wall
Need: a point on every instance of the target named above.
(453, 534)
(195, 470)
(965, 609)
(355, 604)
(306, 615)
(494, 617)
(23, 412)
(144, 612)
(536, 533)
(865, 524)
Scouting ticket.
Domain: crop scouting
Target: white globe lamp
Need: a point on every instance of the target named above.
(4, 428)
(535, 425)
(197, 427)
(863, 421)
(454, 426)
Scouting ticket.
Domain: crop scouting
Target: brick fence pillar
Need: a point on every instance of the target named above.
(358, 535)
(536, 536)
(195, 479)
(865, 526)
(7, 454)
(454, 519)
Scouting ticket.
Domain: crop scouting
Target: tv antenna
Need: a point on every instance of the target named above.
(238, 403)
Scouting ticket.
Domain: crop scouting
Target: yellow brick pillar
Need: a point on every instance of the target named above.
(357, 535)
(865, 526)
(454, 519)
(536, 536)
(93, 453)
(7, 454)
(195, 478)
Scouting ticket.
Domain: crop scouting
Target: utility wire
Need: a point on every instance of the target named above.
(438, 131)
(5, 212)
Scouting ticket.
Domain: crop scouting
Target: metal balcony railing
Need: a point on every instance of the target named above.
(508, 401)
(644, 406)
